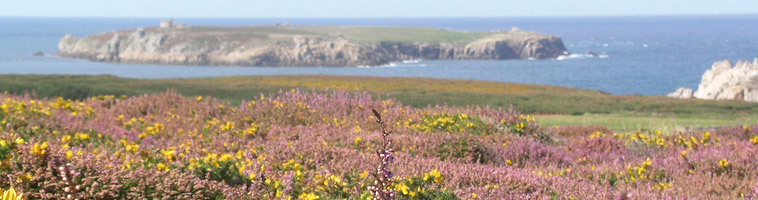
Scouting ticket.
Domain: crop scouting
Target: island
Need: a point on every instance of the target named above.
(173, 43)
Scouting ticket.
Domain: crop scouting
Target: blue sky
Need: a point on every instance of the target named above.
(369, 8)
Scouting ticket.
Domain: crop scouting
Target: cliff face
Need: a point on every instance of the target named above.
(725, 81)
(207, 46)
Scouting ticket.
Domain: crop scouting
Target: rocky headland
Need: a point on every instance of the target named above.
(725, 81)
(305, 45)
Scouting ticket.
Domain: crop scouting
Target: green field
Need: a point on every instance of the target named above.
(632, 122)
(550, 104)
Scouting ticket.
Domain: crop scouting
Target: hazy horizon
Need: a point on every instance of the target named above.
(411, 17)
(371, 8)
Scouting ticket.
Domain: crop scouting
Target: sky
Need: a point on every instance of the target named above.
(368, 8)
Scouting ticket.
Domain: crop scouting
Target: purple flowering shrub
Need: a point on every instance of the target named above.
(307, 145)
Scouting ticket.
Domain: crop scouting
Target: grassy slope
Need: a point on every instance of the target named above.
(553, 105)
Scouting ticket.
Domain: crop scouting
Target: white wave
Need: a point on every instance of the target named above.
(392, 64)
(395, 64)
(412, 61)
(571, 56)
(579, 56)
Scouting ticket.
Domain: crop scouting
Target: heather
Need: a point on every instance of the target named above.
(328, 145)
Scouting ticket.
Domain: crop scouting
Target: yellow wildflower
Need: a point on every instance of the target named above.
(169, 155)
(82, 136)
(132, 148)
(10, 194)
(436, 175)
(39, 149)
(69, 154)
(225, 157)
(66, 138)
(723, 163)
(308, 196)
(402, 188)
(25, 177)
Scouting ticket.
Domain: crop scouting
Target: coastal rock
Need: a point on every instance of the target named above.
(681, 93)
(725, 81)
(294, 46)
(171, 24)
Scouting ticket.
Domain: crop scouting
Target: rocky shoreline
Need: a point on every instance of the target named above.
(725, 81)
(303, 46)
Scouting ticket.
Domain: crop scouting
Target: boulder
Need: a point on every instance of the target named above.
(727, 81)
(681, 93)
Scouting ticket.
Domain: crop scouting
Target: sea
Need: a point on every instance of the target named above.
(644, 55)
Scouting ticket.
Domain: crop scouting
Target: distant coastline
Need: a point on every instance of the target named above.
(668, 62)
(174, 43)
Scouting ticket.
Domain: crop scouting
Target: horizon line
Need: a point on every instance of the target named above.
(380, 17)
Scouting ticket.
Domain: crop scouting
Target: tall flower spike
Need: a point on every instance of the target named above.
(382, 188)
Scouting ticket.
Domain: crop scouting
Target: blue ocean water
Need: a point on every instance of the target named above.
(647, 55)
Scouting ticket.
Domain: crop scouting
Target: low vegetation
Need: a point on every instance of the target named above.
(325, 144)
(550, 104)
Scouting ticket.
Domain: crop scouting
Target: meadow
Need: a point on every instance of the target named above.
(242, 140)
(553, 106)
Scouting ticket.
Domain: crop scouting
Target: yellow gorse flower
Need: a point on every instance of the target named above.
(402, 188)
(10, 194)
(162, 167)
(723, 163)
(81, 136)
(39, 149)
(69, 154)
(434, 174)
(308, 196)
(19, 140)
(66, 138)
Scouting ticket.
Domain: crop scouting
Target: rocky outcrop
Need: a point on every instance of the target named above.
(725, 81)
(171, 24)
(280, 46)
(681, 93)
